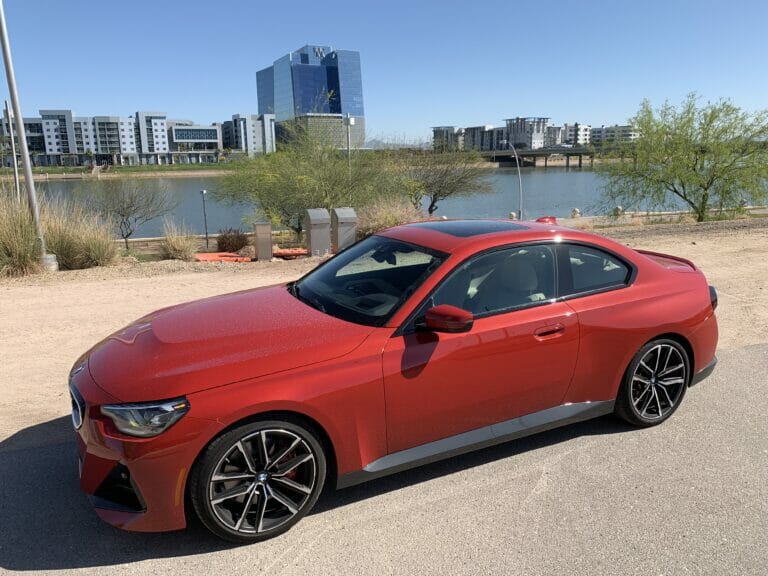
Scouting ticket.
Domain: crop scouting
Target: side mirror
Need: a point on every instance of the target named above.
(447, 318)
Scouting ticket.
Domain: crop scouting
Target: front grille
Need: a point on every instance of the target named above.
(78, 407)
(117, 492)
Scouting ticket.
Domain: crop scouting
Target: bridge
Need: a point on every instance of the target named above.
(540, 156)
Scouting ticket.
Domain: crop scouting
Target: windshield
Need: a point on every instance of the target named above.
(368, 282)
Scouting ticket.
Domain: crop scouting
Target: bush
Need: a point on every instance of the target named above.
(385, 213)
(77, 236)
(178, 243)
(19, 250)
(231, 240)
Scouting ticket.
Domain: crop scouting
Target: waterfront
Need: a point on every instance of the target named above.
(555, 191)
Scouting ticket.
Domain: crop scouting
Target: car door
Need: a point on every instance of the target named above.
(518, 357)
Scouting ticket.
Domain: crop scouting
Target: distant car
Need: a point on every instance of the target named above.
(418, 343)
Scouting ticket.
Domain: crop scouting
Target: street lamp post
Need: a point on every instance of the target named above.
(205, 217)
(48, 261)
(511, 146)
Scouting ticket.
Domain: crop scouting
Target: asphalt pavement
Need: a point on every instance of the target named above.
(687, 497)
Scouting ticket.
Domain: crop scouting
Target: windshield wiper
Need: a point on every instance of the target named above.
(314, 302)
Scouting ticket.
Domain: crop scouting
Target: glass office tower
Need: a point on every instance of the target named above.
(312, 80)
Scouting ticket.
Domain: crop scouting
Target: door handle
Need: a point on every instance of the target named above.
(548, 332)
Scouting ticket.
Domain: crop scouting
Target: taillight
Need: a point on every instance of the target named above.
(713, 297)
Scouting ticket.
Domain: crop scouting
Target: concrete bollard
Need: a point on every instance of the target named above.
(513, 215)
(575, 213)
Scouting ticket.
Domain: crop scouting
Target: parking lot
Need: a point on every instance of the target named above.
(687, 497)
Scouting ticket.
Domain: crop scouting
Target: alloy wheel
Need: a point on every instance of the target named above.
(658, 382)
(263, 481)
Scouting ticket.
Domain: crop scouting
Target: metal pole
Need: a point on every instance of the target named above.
(13, 153)
(48, 261)
(205, 217)
(349, 145)
(519, 179)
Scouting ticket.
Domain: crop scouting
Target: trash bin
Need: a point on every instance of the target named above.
(262, 240)
(343, 228)
(317, 223)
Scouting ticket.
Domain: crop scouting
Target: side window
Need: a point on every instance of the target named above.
(591, 269)
(500, 281)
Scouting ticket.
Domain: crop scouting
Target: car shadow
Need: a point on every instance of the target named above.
(48, 524)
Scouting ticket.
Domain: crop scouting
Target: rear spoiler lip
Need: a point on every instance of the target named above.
(668, 256)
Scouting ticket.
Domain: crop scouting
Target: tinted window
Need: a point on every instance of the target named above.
(592, 269)
(368, 282)
(500, 281)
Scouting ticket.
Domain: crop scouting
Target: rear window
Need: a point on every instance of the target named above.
(592, 269)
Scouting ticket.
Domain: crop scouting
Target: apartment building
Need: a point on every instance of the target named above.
(447, 138)
(613, 135)
(528, 132)
(577, 134)
(250, 134)
(478, 138)
(553, 136)
(191, 143)
(151, 137)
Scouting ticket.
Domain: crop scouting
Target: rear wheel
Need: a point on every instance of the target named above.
(654, 384)
(258, 480)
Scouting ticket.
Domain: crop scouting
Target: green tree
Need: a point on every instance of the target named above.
(306, 172)
(435, 176)
(128, 206)
(709, 157)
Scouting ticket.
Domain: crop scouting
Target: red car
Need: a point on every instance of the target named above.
(419, 343)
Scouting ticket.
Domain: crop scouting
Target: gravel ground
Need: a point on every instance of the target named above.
(688, 497)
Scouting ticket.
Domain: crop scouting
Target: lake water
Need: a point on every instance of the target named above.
(552, 191)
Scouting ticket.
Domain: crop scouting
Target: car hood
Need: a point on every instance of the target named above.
(220, 340)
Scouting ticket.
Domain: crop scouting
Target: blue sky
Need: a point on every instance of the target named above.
(425, 63)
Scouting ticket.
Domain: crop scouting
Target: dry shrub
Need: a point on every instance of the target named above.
(584, 223)
(178, 243)
(76, 235)
(686, 219)
(19, 250)
(384, 213)
(231, 240)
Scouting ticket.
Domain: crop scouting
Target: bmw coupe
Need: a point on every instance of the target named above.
(418, 343)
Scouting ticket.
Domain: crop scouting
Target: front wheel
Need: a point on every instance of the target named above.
(258, 480)
(654, 384)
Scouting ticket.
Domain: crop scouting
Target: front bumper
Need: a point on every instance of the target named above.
(704, 372)
(135, 484)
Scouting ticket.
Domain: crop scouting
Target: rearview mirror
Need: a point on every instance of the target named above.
(447, 318)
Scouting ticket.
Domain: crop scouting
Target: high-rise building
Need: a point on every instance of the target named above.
(316, 80)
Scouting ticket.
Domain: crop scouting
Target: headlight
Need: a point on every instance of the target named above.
(146, 419)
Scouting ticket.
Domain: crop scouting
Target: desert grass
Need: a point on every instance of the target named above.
(178, 243)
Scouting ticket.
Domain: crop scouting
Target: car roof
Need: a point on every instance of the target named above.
(451, 236)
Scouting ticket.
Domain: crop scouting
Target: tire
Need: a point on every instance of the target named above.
(654, 384)
(256, 481)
